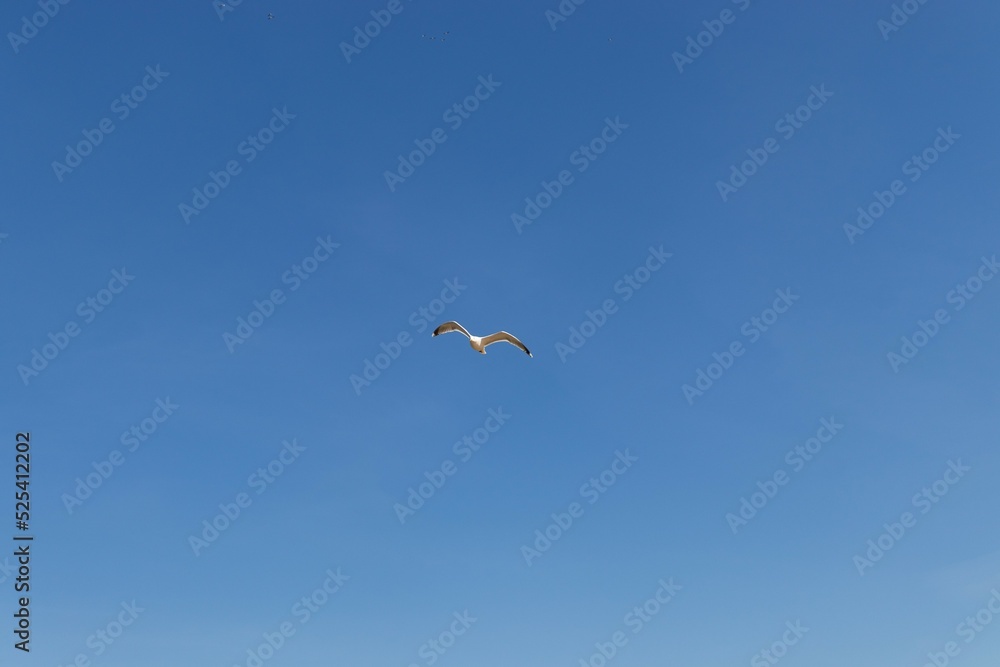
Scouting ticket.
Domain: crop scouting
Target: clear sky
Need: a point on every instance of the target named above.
(214, 220)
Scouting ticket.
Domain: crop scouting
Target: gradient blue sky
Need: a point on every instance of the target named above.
(655, 185)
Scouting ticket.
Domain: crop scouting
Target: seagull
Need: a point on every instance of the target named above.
(479, 343)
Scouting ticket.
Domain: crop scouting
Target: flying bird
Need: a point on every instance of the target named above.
(478, 343)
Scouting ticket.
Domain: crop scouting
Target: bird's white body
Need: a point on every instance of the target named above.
(477, 344)
(480, 343)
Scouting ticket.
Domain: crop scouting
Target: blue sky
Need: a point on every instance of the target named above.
(343, 454)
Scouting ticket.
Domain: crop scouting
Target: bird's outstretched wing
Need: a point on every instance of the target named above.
(450, 326)
(506, 337)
